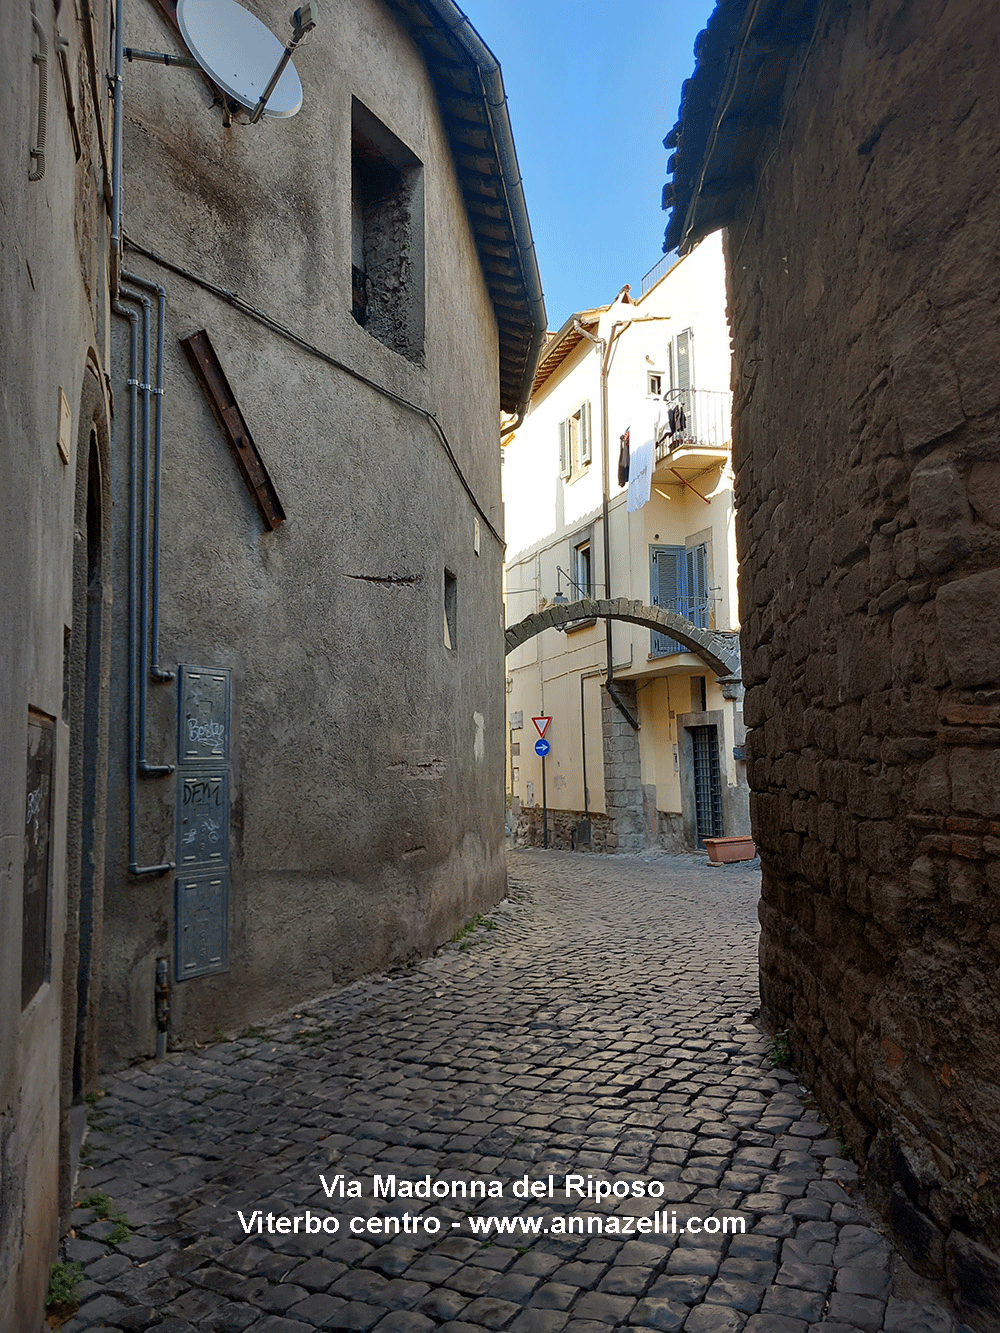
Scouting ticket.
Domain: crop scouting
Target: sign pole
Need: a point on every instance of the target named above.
(542, 747)
(545, 811)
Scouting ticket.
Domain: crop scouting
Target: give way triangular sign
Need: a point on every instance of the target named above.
(541, 723)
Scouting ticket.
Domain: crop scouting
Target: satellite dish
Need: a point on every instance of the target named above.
(240, 54)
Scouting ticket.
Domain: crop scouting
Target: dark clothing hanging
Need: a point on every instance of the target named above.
(623, 461)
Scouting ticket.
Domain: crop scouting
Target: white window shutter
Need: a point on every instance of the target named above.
(585, 447)
(565, 462)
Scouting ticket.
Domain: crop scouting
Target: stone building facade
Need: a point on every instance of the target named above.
(658, 762)
(54, 507)
(355, 640)
(251, 705)
(853, 154)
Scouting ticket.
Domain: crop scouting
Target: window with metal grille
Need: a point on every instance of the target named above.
(707, 783)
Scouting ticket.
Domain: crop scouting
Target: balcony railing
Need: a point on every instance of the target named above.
(662, 266)
(695, 421)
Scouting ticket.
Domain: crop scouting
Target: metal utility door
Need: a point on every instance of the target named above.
(707, 783)
(201, 890)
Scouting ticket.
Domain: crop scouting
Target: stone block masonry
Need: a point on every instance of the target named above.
(863, 276)
(623, 769)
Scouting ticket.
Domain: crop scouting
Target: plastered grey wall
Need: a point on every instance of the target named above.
(863, 279)
(367, 757)
(51, 321)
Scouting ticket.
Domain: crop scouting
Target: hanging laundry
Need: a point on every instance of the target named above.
(640, 477)
(623, 460)
(677, 420)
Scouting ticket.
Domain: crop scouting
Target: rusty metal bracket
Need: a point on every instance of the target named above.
(684, 482)
(212, 378)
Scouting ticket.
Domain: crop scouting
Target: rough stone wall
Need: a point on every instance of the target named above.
(623, 792)
(863, 283)
(562, 830)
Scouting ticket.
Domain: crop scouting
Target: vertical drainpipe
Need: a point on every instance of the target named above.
(145, 768)
(136, 761)
(132, 316)
(604, 346)
(155, 670)
(116, 153)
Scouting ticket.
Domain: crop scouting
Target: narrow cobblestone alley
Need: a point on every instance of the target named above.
(595, 1028)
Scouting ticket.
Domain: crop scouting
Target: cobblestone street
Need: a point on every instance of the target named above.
(596, 1027)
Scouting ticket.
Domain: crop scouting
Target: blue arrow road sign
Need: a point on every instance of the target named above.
(542, 747)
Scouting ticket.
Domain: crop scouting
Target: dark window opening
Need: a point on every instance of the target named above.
(387, 236)
(450, 609)
(583, 576)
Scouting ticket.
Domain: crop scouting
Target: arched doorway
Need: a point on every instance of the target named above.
(87, 650)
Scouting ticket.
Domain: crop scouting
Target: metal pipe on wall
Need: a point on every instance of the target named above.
(145, 767)
(116, 153)
(132, 315)
(155, 670)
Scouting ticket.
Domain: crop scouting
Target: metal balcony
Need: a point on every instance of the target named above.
(694, 434)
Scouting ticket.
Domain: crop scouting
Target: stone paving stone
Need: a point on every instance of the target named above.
(489, 1312)
(660, 1313)
(278, 1298)
(539, 1321)
(472, 1281)
(688, 1260)
(276, 1324)
(555, 1296)
(743, 1296)
(605, 1308)
(514, 1287)
(404, 1321)
(624, 1281)
(860, 1311)
(442, 1303)
(794, 1302)
(776, 1323)
(714, 1319)
(602, 1028)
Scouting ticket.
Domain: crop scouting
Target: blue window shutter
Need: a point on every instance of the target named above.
(698, 584)
(668, 582)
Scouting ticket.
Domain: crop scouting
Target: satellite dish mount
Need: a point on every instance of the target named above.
(240, 54)
(303, 21)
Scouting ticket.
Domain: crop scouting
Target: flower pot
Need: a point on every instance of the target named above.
(723, 851)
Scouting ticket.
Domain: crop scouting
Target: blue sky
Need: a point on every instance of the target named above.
(592, 89)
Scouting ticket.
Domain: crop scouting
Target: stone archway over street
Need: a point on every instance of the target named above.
(720, 651)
